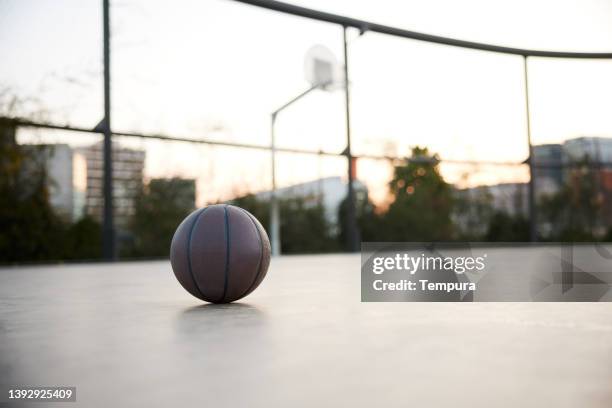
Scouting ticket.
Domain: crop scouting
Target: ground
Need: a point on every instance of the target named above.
(127, 334)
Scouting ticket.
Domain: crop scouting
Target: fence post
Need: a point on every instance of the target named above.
(351, 217)
(108, 228)
(533, 213)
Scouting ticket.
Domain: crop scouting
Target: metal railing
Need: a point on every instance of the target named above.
(105, 128)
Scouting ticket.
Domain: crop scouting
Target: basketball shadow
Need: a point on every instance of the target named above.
(219, 309)
(216, 318)
(213, 337)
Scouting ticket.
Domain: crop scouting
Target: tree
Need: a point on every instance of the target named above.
(506, 228)
(29, 228)
(574, 213)
(422, 201)
(158, 211)
(84, 239)
(369, 221)
(472, 213)
(304, 227)
(258, 207)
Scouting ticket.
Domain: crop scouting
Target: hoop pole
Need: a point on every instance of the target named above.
(274, 207)
(274, 210)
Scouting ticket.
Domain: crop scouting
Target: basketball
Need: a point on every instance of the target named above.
(220, 253)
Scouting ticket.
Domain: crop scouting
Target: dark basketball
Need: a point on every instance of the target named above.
(220, 253)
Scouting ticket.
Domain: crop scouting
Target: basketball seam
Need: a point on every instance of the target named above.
(260, 265)
(189, 268)
(227, 254)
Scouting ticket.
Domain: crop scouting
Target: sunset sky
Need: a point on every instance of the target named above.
(217, 68)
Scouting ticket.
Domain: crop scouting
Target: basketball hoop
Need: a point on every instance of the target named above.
(321, 69)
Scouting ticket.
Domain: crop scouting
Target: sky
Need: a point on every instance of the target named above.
(217, 68)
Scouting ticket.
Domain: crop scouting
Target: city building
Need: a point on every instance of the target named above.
(510, 198)
(65, 176)
(553, 162)
(595, 149)
(548, 166)
(128, 167)
(597, 152)
(329, 191)
(552, 171)
(66, 172)
(181, 191)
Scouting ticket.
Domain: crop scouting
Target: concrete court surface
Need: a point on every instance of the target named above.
(126, 334)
